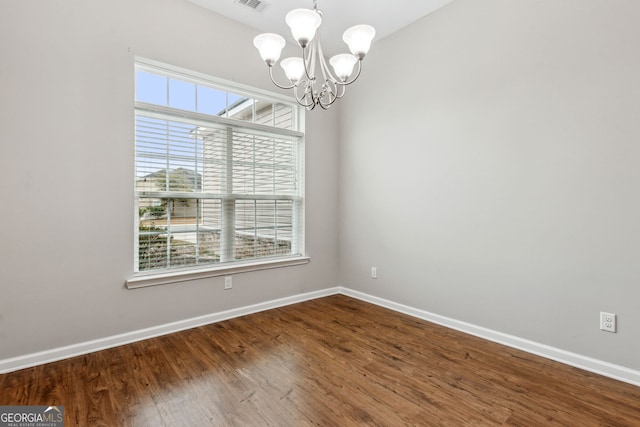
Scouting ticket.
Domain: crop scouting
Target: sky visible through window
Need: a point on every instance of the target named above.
(175, 93)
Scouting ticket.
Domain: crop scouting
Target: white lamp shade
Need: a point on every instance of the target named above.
(303, 24)
(343, 65)
(270, 46)
(359, 38)
(293, 68)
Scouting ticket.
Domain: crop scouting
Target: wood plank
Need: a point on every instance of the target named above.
(331, 361)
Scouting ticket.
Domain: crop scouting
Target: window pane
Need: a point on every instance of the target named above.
(151, 153)
(151, 88)
(209, 231)
(283, 116)
(284, 227)
(273, 114)
(234, 99)
(178, 233)
(211, 101)
(263, 228)
(264, 113)
(215, 152)
(240, 108)
(168, 156)
(245, 229)
(182, 95)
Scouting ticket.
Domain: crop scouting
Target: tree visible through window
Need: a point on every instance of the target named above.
(219, 173)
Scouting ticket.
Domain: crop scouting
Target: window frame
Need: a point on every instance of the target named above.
(155, 277)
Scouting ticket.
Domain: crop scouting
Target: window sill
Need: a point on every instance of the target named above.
(144, 280)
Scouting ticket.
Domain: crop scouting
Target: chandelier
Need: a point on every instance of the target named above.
(312, 81)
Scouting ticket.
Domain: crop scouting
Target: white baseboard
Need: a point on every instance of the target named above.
(579, 361)
(600, 367)
(53, 355)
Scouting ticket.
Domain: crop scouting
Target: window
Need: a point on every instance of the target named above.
(219, 173)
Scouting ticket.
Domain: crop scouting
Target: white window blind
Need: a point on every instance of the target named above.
(219, 174)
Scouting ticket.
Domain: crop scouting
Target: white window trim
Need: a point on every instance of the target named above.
(141, 280)
(148, 279)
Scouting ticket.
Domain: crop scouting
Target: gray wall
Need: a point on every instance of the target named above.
(489, 161)
(66, 156)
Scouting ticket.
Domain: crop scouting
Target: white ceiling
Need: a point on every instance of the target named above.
(385, 16)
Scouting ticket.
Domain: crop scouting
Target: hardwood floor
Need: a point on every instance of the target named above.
(334, 361)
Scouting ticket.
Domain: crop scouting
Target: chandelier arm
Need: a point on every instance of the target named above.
(312, 105)
(316, 100)
(300, 99)
(332, 90)
(309, 64)
(276, 83)
(340, 88)
(325, 68)
(329, 86)
(325, 106)
(305, 61)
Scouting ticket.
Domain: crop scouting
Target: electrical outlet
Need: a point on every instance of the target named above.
(374, 273)
(607, 321)
(228, 282)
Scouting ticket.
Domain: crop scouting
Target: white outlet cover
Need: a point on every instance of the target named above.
(607, 322)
